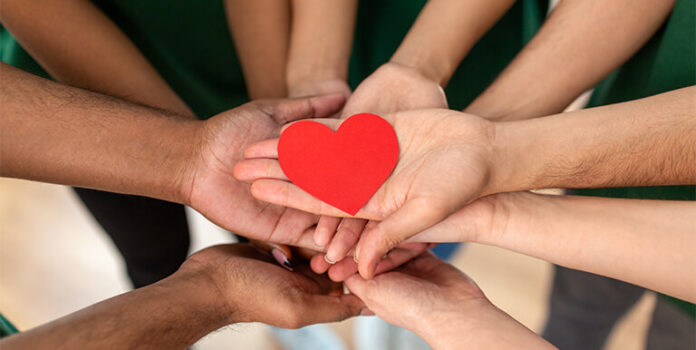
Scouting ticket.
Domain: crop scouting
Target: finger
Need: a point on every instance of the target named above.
(318, 264)
(288, 110)
(332, 123)
(327, 308)
(360, 286)
(400, 256)
(286, 194)
(294, 228)
(326, 227)
(342, 269)
(280, 252)
(255, 169)
(263, 149)
(414, 216)
(346, 236)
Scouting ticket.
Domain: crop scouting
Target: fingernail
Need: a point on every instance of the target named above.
(355, 258)
(326, 258)
(282, 259)
(366, 312)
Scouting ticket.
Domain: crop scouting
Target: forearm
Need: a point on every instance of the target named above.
(645, 242)
(320, 42)
(78, 45)
(479, 326)
(172, 314)
(55, 133)
(260, 29)
(444, 33)
(647, 142)
(580, 44)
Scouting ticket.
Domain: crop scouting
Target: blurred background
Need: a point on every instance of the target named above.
(55, 259)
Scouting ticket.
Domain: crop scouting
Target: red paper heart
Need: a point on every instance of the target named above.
(343, 168)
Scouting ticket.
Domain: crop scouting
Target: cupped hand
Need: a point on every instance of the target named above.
(393, 88)
(443, 306)
(214, 192)
(255, 289)
(445, 162)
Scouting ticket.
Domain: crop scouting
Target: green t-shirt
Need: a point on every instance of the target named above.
(6, 327)
(191, 47)
(666, 62)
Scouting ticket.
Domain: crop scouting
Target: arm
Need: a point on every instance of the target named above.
(171, 314)
(55, 133)
(646, 142)
(643, 142)
(260, 29)
(77, 44)
(645, 242)
(443, 34)
(445, 307)
(580, 44)
(215, 287)
(321, 40)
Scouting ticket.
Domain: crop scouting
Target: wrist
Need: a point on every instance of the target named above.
(312, 85)
(193, 297)
(434, 69)
(187, 143)
(512, 169)
(461, 327)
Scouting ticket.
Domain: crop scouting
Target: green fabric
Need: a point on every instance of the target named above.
(190, 46)
(667, 62)
(6, 327)
(381, 25)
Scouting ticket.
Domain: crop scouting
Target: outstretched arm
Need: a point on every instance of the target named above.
(215, 287)
(449, 159)
(321, 40)
(645, 242)
(578, 46)
(59, 134)
(260, 29)
(78, 45)
(442, 35)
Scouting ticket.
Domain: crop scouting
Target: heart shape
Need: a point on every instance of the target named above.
(343, 168)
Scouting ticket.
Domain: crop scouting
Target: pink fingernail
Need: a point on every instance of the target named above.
(283, 260)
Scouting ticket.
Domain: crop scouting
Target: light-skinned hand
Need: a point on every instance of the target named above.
(445, 162)
(443, 306)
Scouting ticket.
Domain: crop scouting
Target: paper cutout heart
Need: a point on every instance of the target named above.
(343, 168)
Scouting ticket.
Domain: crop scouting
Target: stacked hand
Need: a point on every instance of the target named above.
(445, 162)
(443, 306)
(248, 287)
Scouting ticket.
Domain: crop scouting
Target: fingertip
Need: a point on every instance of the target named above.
(318, 264)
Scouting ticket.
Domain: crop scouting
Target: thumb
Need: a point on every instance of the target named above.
(327, 308)
(332, 123)
(413, 217)
(323, 106)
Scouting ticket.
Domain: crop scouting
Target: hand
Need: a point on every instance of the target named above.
(314, 87)
(446, 161)
(443, 306)
(393, 88)
(211, 189)
(250, 287)
(341, 270)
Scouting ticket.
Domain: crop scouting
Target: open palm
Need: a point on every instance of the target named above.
(216, 194)
(444, 163)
